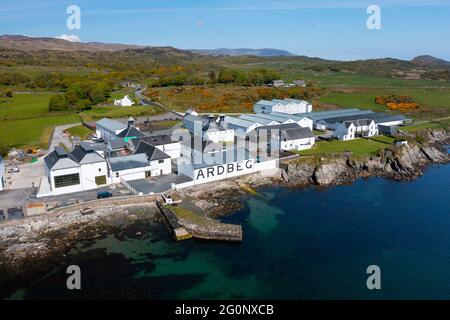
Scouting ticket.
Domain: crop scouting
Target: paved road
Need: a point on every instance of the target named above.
(59, 137)
(147, 102)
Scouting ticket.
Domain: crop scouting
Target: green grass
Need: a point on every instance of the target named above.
(24, 106)
(428, 125)
(30, 132)
(434, 103)
(79, 131)
(119, 112)
(383, 139)
(357, 147)
(165, 123)
(26, 121)
(184, 213)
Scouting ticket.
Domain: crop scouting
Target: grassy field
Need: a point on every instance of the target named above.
(24, 106)
(119, 112)
(356, 147)
(25, 120)
(434, 103)
(31, 132)
(79, 131)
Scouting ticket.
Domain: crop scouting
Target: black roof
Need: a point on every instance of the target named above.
(79, 152)
(154, 140)
(152, 152)
(130, 132)
(59, 153)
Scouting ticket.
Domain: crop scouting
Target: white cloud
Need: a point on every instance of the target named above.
(69, 37)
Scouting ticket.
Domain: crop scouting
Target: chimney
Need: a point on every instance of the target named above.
(131, 122)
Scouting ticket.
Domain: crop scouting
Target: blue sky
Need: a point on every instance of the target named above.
(324, 28)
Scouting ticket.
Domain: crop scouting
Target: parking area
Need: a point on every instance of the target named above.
(29, 175)
(159, 184)
(13, 202)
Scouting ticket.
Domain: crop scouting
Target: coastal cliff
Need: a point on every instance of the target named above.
(404, 163)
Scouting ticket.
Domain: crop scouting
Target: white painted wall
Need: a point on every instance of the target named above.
(299, 144)
(165, 167)
(172, 149)
(129, 175)
(90, 171)
(63, 172)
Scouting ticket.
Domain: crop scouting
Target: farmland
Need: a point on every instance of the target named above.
(25, 120)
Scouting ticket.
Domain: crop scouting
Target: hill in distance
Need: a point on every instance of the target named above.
(430, 61)
(24, 43)
(266, 52)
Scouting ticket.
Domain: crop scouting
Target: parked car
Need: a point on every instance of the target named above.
(13, 170)
(104, 194)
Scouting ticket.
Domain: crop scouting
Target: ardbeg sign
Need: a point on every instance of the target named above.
(222, 171)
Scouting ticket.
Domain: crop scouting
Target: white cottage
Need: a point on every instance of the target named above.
(126, 101)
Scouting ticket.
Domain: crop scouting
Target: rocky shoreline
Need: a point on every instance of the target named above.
(404, 163)
(25, 243)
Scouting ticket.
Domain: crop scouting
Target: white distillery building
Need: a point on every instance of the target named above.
(108, 129)
(128, 168)
(208, 127)
(288, 137)
(160, 162)
(67, 172)
(126, 101)
(163, 142)
(241, 125)
(351, 129)
(2, 174)
(288, 106)
(207, 161)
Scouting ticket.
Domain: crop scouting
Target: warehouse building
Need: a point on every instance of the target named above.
(108, 129)
(80, 170)
(287, 106)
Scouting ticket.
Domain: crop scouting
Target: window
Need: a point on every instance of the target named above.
(99, 169)
(117, 174)
(67, 180)
(160, 161)
(100, 180)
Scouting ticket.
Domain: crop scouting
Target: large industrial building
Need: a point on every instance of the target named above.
(288, 106)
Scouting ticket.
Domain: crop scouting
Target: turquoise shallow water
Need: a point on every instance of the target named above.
(298, 244)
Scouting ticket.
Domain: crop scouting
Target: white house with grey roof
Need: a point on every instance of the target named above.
(163, 142)
(287, 137)
(67, 172)
(128, 168)
(160, 162)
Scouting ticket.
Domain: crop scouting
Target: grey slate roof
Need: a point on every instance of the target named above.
(154, 140)
(296, 134)
(116, 144)
(151, 152)
(130, 132)
(128, 162)
(82, 154)
(112, 125)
